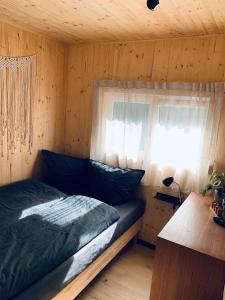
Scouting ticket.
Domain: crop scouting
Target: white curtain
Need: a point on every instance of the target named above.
(167, 129)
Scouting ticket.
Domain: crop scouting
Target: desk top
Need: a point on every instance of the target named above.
(192, 226)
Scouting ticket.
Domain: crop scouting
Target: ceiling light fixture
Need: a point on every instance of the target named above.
(152, 4)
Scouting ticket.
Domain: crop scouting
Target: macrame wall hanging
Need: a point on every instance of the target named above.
(17, 84)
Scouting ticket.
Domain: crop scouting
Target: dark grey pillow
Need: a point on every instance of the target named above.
(78, 176)
(112, 185)
(66, 173)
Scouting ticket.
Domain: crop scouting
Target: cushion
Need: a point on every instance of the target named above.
(66, 173)
(112, 185)
(79, 176)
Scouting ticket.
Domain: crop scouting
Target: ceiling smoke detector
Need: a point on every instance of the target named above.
(152, 4)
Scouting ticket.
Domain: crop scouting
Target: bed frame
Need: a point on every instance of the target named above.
(74, 288)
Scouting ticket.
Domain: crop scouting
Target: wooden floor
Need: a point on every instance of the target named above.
(127, 277)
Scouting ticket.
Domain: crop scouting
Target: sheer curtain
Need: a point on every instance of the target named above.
(167, 129)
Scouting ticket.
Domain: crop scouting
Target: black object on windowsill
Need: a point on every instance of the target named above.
(168, 198)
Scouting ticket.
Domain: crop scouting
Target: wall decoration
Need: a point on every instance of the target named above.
(17, 88)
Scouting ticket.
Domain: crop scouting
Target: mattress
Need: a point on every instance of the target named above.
(53, 282)
(129, 213)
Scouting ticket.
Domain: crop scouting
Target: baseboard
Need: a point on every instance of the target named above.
(146, 244)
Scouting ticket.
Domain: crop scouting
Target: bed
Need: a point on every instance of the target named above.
(65, 276)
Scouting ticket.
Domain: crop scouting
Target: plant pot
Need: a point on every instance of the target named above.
(219, 196)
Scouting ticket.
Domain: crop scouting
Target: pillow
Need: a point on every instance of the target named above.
(112, 185)
(66, 173)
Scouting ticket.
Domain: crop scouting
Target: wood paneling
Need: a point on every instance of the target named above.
(49, 103)
(157, 214)
(220, 151)
(185, 59)
(115, 20)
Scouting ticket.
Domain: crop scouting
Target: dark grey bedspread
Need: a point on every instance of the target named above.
(40, 228)
(47, 287)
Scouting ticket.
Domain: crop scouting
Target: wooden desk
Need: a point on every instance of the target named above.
(190, 255)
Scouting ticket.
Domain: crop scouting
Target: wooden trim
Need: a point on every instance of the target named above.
(146, 244)
(74, 288)
(149, 40)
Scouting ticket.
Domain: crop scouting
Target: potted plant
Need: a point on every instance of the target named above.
(216, 184)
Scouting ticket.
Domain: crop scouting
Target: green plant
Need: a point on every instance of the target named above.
(217, 182)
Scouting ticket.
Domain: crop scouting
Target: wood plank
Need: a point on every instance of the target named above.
(107, 20)
(83, 279)
(127, 277)
(48, 104)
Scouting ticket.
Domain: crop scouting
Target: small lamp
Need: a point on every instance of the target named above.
(168, 181)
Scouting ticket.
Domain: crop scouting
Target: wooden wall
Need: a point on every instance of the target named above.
(184, 59)
(49, 103)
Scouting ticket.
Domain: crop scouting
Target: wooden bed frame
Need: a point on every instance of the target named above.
(74, 288)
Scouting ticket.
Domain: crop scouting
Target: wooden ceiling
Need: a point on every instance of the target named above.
(115, 20)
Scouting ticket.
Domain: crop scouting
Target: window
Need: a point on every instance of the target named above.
(178, 136)
(126, 129)
(173, 128)
(165, 132)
